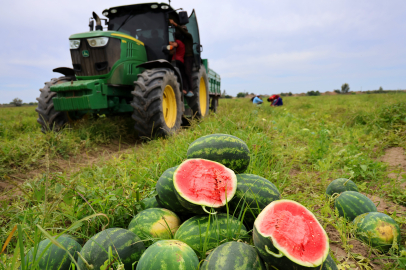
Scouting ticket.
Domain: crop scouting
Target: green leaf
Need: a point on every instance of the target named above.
(364, 167)
(58, 188)
(81, 189)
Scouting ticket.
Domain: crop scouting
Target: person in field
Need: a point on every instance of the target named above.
(179, 55)
(257, 100)
(189, 57)
(276, 100)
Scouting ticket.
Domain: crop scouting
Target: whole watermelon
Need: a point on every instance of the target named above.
(377, 230)
(166, 192)
(155, 223)
(168, 254)
(226, 149)
(152, 202)
(253, 194)
(233, 255)
(351, 204)
(340, 185)
(125, 245)
(54, 257)
(203, 233)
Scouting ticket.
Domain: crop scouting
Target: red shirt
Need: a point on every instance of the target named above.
(180, 51)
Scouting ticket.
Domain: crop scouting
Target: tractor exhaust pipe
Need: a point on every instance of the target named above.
(98, 22)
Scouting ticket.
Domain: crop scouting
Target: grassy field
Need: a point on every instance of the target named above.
(300, 147)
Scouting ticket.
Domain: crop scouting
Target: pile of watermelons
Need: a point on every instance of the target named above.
(206, 213)
(373, 228)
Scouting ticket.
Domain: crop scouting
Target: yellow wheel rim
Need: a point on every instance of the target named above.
(169, 108)
(202, 97)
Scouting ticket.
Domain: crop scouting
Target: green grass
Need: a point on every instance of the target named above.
(299, 147)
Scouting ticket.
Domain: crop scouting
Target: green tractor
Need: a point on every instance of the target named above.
(126, 69)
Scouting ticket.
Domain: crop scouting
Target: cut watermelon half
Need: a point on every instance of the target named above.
(294, 231)
(204, 182)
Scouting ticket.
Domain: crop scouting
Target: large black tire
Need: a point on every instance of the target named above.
(150, 99)
(50, 119)
(214, 103)
(200, 88)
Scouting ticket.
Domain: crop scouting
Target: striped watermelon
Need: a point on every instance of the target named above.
(377, 230)
(288, 229)
(226, 149)
(340, 185)
(233, 255)
(201, 183)
(169, 255)
(166, 192)
(155, 223)
(199, 235)
(351, 204)
(150, 203)
(126, 247)
(254, 193)
(54, 257)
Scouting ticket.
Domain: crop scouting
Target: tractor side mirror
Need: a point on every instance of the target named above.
(199, 48)
(183, 17)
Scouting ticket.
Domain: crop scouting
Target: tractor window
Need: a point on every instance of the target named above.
(149, 27)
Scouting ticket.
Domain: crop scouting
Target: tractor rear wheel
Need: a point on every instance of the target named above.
(48, 117)
(157, 103)
(200, 101)
(214, 104)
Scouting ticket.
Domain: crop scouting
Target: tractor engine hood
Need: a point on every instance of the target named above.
(96, 53)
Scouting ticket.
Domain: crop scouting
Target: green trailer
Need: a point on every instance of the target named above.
(125, 68)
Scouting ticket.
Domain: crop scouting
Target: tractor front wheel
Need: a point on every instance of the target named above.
(157, 103)
(200, 101)
(48, 117)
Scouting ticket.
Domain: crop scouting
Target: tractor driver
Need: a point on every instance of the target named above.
(188, 41)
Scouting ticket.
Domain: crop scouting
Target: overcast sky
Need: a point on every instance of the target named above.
(259, 46)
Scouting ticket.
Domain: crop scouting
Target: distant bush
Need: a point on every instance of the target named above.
(242, 94)
(337, 91)
(313, 93)
(17, 102)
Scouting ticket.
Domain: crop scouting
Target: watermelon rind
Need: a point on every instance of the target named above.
(351, 204)
(280, 249)
(253, 194)
(54, 257)
(166, 192)
(226, 149)
(340, 185)
(170, 255)
(284, 263)
(233, 255)
(199, 235)
(155, 223)
(187, 200)
(377, 230)
(125, 245)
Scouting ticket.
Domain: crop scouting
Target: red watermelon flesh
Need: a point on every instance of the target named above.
(205, 182)
(294, 231)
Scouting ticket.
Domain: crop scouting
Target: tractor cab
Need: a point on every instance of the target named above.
(149, 23)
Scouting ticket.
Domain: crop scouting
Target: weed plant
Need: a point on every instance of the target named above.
(299, 147)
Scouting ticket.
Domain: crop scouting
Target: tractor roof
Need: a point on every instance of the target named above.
(140, 8)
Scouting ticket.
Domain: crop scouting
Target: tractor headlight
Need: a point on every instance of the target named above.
(74, 43)
(98, 42)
